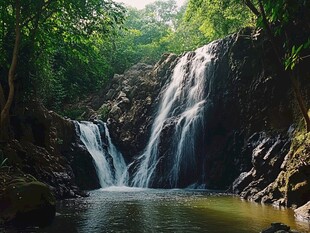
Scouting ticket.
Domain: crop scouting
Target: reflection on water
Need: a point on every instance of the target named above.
(147, 210)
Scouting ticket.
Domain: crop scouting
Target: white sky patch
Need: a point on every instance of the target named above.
(140, 4)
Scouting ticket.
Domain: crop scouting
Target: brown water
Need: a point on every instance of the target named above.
(149, 210)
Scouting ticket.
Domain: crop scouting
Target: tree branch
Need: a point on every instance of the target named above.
(300, 101)
(251, 6)
(4, 123)
(43, 7)
(269, 32)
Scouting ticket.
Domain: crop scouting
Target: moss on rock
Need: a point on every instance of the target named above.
(25, 201)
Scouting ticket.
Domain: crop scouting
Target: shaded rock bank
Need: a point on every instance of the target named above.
(24, 200)
(46, 146)
(289, 185)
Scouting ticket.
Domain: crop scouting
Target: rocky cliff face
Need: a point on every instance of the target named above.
(129, 102)
(47, 147)
(280, 171)
(248, 122)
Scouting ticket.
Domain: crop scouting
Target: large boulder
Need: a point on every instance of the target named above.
(26, 201)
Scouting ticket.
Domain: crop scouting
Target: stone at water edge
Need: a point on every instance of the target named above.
(278, 228)
(303, 212)
(27, 204)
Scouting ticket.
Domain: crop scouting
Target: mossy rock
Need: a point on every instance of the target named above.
(27, 203)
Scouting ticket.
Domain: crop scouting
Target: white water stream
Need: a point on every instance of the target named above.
(112, 173)
(182, 103)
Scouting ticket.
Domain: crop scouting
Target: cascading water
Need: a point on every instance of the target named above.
(181, 114)
(112, 173)
(121, 172)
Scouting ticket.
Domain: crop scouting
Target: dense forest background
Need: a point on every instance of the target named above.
(69, 49)
(61, 51)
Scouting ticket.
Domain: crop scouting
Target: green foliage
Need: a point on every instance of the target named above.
(285, 19)
(187, 35)
(59, 141)
(218, 18)
(141, 40)
(293, 58)
(69, 49)
(3, 160)
(74, 113)
(159, 28)
(65, 48)
(103, 112)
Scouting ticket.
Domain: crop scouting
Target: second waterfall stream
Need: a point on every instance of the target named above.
(110, 165)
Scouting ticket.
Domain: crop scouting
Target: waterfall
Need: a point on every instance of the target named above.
(121, 173)
(110, 165)
(181, 110)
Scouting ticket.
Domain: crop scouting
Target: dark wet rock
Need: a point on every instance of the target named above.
(46, 167)
(25, 201)
(268, 155)
(82, 164)
(278, 228)
(129, 102)
(43, 147)
(281, 176)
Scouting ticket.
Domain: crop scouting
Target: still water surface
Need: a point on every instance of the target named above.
(149, 210)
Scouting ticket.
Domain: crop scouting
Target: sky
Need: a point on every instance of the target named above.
(141, 3)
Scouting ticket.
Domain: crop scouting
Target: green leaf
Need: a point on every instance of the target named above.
(299, 49)
(3, 162)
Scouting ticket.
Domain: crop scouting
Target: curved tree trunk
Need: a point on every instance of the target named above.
(300, 102)
(5, 112)
(2, 98)
(260, 12)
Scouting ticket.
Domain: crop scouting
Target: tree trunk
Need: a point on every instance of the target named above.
(273, 42)
(5, 113)
(301, 103)
(2, 98)
(251, 6)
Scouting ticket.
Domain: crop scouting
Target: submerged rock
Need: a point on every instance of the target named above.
(278, 228)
